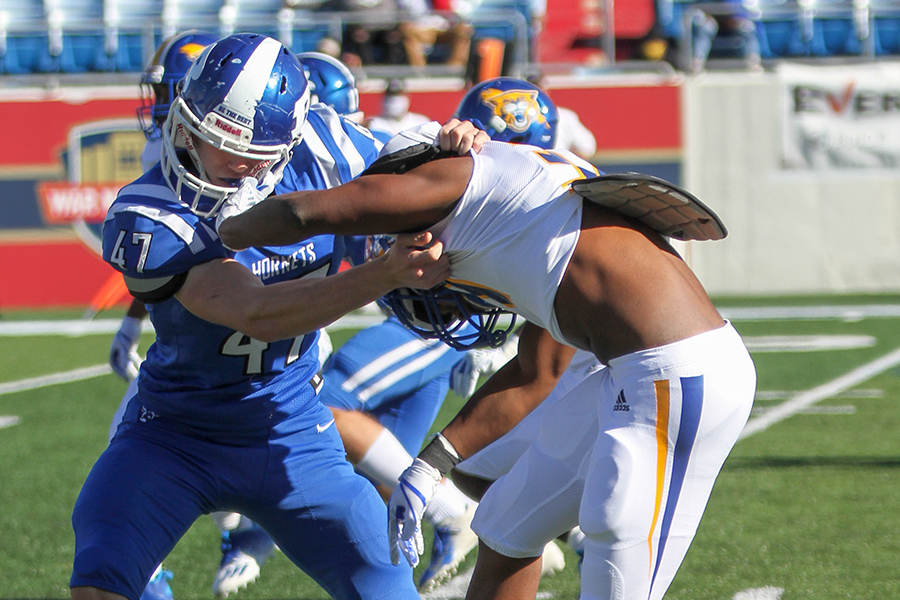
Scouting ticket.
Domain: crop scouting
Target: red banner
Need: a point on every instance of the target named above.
(63, 203)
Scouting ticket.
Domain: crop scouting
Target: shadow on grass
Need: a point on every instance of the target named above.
(784, 462)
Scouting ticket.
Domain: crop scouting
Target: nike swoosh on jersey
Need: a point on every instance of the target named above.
(321, 428)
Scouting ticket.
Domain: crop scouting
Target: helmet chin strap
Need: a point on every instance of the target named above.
(188, 141)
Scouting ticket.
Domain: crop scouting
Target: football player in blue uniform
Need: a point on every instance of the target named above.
(245, 546)
(170, 62)
(226, 416)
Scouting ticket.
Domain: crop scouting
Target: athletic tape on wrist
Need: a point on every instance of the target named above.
(440, 454)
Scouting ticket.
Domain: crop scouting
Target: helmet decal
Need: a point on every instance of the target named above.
(517, 109)
(511, 110)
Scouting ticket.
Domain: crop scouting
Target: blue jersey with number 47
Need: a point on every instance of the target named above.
(202, 375)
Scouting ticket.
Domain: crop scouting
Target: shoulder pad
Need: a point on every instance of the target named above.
(655, 202)
(407, 159)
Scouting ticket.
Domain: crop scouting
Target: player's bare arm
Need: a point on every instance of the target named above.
(227, 293)
(511, 393)
(367, 205)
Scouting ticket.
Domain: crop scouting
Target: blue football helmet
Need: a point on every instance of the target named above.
(245, 94)
(331, 82)
(170, 62)
(511, 110)
(461, 316)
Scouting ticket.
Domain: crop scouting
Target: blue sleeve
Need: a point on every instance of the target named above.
(155, 248)
(355, 249)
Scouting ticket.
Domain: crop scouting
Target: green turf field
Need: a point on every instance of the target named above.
(807, 506)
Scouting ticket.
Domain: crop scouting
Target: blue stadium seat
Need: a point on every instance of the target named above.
(835, 31)
(783, 27)
(82, 51)
(193, 14)
(24, 52)
(260, 16)
(23, 31)
(133, 33)
(885, 27)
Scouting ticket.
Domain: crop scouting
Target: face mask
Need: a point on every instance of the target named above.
(395, 107)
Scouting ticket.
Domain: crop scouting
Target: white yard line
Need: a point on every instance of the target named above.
(362, 318)
(98, 326)
(55, 378)
(765, 593)
(777, 313)
(455, 589)
(806, 399)
(8, 421)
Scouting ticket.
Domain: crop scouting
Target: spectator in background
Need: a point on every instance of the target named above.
(736, 36)
(395, 115)
(426, 28)
(571, 134)
(330, 46)
(374, 37)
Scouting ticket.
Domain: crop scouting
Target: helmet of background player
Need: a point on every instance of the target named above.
(171, 61)
(511, 110)
(331, 82)
(246, 94)
(460, 315)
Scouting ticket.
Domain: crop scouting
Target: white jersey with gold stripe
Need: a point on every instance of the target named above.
(517, 210)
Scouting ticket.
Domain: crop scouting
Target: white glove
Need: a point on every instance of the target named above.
(465, 373)
(326, 347)
(416, 488)
(123, 356)
(250, 192)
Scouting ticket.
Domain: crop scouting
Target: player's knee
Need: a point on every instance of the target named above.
(97, 565)
(92, 593)
(90, 562)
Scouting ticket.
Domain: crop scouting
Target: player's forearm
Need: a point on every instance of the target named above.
(495, 408)
(269, 223)
(227, 293)
(368, 205)
(511, 393)
(302, 306)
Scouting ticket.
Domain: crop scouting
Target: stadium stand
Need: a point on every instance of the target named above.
(97, 36)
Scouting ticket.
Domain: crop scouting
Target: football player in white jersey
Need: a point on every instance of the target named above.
(632, 452)
(226, 416)
(535, 119)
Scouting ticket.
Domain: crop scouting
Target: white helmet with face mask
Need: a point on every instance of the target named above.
(246, 95)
